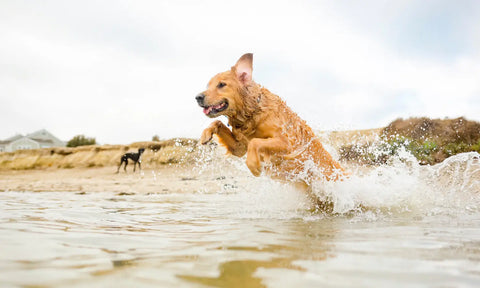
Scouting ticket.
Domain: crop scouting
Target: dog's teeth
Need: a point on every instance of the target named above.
(209, 109)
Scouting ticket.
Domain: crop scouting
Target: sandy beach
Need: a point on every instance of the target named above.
(93, 180)
(164, 179)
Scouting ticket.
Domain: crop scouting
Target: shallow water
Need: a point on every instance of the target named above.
(417, 227)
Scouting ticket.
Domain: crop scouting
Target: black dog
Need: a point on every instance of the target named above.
(136, 157)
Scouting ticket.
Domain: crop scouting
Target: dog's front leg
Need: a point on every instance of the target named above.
(258, 147)
(226, 138)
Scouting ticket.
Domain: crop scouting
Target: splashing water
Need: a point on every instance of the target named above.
(404, 185)
(400, 186)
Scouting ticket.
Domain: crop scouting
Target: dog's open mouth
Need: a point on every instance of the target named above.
(214, 109)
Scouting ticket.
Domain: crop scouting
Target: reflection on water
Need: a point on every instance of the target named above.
(416, 230)
(240, 273)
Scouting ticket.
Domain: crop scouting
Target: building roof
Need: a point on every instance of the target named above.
(44, 135)
(41, 136)
(13, 138)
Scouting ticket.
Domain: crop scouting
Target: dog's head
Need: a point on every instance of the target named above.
(141, 150)
(224, 94)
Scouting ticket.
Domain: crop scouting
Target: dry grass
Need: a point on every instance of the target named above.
(443, 131)
(430, 140)
(157, 153)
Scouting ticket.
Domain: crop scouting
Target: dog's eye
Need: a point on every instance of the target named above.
(221, 85)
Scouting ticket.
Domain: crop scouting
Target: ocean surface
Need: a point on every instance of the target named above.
(397, 225)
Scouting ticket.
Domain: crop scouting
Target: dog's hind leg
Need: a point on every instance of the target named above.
(258, 148)
(134, 165)
(125, 167)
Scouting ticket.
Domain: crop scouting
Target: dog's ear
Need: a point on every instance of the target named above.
(244, 68)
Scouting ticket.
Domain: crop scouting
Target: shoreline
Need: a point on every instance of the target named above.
(161, 180)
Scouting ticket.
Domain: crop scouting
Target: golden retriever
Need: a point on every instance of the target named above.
(263, 127)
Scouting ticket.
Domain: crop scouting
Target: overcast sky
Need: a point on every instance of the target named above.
(123, 71)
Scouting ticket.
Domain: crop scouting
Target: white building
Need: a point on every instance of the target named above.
(39, 139)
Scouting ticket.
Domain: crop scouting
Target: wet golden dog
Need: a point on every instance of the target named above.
(263, 127)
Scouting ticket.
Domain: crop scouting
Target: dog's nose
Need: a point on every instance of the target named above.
(200, 97)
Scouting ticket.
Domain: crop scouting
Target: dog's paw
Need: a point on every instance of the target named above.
(207, 136)
(257, 171)
(254, 167)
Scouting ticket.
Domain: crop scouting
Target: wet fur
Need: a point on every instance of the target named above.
(265, 128)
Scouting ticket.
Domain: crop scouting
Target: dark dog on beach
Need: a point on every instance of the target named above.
(135, 157)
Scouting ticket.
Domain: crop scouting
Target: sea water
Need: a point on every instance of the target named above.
(395, 225)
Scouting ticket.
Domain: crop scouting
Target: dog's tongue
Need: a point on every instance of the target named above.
(207, 110)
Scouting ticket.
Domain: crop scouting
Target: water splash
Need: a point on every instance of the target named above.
(401, 185)
(404, 185)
